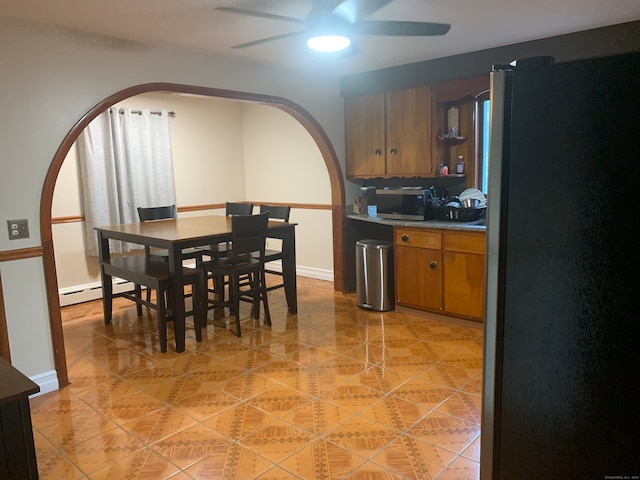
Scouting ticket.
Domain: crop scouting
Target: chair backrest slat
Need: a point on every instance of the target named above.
(239, 209)
(276, 212)
(156, 213)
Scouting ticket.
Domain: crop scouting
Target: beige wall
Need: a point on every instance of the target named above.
(222, 150)
(50, 79)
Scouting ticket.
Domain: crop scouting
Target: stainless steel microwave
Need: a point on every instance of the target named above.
(404, 204)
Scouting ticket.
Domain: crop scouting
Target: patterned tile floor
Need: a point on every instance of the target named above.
(334, 392)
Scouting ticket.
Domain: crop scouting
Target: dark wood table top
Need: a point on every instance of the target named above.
(177, 230)
(13, 384)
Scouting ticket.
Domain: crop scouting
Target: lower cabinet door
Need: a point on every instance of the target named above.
(464, 284)
(419, 277)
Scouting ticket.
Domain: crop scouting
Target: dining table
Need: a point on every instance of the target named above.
(177, 234)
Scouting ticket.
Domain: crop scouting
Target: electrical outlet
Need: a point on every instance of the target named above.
(18, 229)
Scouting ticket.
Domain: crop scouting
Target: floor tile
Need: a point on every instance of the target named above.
(454, 434)
(414, 458)
(142, 465)
(277, 441)
(190, 445)
(323, 459)
(102, 450)
(52, 464)
(158, 424)
(233, 461)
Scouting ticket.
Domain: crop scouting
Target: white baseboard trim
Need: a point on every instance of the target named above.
(89, 291)
(47, 381)
(317, 273)
(309, 272)
(93, 291)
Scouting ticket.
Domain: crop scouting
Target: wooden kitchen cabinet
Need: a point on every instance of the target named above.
(389, 134)
(464, 264)
(418, 268)
(440, 270)
(459, 93)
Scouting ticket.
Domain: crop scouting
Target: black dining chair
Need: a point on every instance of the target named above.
(240, 270)
(224, 248)
(279, 213)
(155, 274)
(231, 209)
(147, 214)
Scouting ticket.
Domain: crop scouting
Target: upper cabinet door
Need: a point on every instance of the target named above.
(389, 134)
(365, 135)
(409, 132)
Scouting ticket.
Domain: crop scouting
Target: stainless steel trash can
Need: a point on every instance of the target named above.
(374, 275)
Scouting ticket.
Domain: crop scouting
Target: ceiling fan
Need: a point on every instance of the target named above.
(342, 18)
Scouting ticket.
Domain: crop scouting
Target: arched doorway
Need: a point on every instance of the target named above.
(296, 111)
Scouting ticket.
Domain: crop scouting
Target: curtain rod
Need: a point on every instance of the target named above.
(139, 112)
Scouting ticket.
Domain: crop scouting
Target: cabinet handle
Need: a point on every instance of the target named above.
(377, 152)
(405, 238)
(433, 265)
(394, 151)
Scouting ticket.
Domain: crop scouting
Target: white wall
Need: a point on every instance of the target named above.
(283, 165)
(50, 78)
(222, 150)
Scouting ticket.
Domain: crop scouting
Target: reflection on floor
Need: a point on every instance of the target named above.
(333, 392)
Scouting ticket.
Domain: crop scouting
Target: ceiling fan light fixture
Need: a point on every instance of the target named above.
(328, 43)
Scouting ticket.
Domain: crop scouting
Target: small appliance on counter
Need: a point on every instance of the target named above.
(405, 203)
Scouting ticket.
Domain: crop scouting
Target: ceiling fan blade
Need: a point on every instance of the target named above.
(399, 28)
(252, 13)
(323, 7)
(354, 10)
(268, 39)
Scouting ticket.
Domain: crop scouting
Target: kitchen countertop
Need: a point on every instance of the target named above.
(476, 226)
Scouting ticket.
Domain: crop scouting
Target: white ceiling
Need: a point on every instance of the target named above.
(475, 25)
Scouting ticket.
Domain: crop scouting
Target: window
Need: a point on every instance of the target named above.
(483, 112)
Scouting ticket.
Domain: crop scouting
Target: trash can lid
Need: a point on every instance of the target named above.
(374, 243)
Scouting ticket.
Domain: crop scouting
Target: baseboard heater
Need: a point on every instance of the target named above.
(90, 291)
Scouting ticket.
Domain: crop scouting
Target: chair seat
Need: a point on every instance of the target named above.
(270, 255)
(245, 262)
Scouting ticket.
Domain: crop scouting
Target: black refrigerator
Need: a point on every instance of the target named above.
(561, 394)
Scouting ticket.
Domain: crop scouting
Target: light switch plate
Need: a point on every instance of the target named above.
(18, 229)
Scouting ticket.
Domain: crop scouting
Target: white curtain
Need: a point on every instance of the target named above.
(125, 163)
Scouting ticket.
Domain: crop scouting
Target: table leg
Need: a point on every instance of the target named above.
(175, 267)
(289, 268)
(105, 279)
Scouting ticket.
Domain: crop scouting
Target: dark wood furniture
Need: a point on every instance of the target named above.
(389, 134)
(180, 233)
(155, 274)
(17, 450)
(147, 214)
(242, 270)
(281, 213)
(231, 209)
